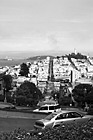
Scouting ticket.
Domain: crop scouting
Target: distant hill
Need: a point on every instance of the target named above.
(77, 56)
(72, 55)
(39, 57)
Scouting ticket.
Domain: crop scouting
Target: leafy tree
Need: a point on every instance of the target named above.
(1, 98)
(89, 97)
(28, 93)
(83, 93)
(7, 84)
(56, 95)
(24, 70)
(65, 101)
(77, 56)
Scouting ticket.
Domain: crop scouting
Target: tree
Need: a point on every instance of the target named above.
(7, 84)
(24, 70)
(56, 95)
(65, 101)
(89, 97)
(28, 93)
(77, 56)
(82, 94)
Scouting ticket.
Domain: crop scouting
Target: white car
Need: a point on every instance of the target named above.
(48, 108)
(57, 118)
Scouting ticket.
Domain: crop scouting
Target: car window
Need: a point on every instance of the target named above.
(69, 115)
(51, 108)
(72, 115)
(61, 116)
(75, 114)
(44, 108)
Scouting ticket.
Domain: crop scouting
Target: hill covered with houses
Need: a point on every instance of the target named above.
(50, 73)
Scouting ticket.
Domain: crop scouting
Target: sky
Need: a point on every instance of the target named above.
(46, 25)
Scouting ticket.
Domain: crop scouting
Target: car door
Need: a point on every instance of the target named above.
(58, 120)
(78, 118)
(68, 118)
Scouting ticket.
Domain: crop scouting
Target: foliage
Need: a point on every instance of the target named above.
(55, 95)
(20, 100)
(61, 98)
(77, 56)
(28, 93)
(7, 82)
(83, 93)
(65, 101)
(89, 97)
(24, 70)
(1, 98)
(10, 99)
(75, 131)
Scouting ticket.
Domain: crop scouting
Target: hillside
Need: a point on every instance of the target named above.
(39, 57)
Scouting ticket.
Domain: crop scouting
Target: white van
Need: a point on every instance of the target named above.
(48, 108)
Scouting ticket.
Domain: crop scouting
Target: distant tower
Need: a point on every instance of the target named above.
(75, 51)
(88, 56)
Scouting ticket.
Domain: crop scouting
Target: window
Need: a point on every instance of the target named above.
(73, 115)
(61, 116)
(44, 108)
(68, 115)
(51, 108)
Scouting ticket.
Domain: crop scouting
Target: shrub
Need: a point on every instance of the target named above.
(76, 131)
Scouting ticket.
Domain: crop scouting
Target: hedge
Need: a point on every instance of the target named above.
(77, 131)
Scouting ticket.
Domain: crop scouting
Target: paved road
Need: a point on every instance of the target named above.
(10, 124)
(10, 121)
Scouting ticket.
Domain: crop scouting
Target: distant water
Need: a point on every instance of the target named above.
(27, 54)
(12, 62)
(16, 54)
(20, 57)
(17, 57)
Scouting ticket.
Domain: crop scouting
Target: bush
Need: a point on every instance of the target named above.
(74, 131)
(9, 98)
(20, 100)
(28, 93)
(65, 101)
(2, 98)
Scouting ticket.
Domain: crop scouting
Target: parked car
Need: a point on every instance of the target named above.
(55, 119)
(48, 108)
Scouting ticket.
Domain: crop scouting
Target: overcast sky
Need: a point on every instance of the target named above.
(46, 25)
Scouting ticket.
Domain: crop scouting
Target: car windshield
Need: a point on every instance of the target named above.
(49, 117)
